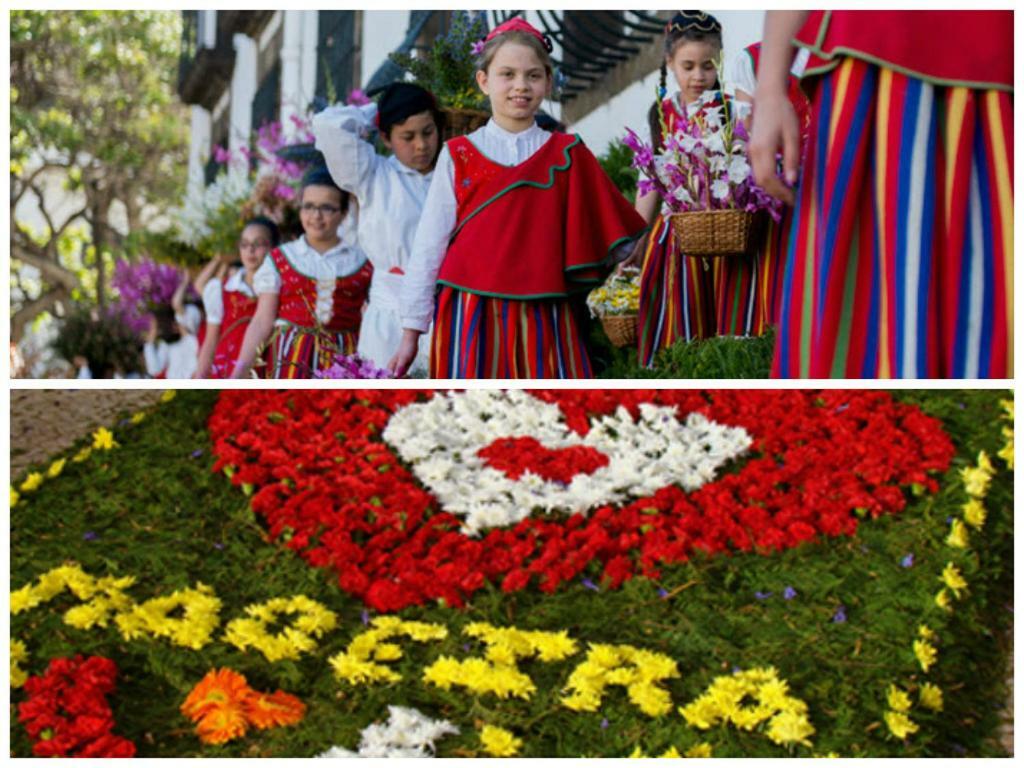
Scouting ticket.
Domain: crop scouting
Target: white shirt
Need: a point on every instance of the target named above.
(340, 261)
(213, 299)
(190, 319)
(177, 360)
(744, 78)
(440, 213)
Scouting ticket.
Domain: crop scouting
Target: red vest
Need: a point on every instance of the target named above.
(971, 48)
(297, 302)
(238, 311)
(540, 229)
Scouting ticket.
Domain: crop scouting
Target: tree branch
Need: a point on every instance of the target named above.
(26, 251)
(29, 312)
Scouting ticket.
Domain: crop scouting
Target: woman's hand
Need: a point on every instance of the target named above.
(407, 350)
(775, 127)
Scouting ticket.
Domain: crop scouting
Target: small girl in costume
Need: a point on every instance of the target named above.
(230, 304)
(311, 291)
(677, 292)
(900, 262)
(515, 221)
(172, 347)
(390, 192)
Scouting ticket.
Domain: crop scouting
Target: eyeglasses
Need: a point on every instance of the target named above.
(323, 210)
(245, 245)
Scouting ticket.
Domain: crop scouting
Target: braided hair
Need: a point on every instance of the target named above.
(684, 27)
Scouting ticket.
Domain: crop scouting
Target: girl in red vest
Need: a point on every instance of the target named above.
(516, 220)
(900, 262)
(230, 303)
(311, 291)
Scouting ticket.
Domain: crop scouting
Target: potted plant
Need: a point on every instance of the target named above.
(702, 175)
(448, 70)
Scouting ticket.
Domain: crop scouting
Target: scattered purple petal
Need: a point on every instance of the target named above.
(736, 670)
(218, 545)
(124, 422)
(662, 593)
(949, 520)
(908, 560)
(466, 647)
(197, 453)
(90, 536)
(762, 595)
(962, 406)
(604, 723)
(839, 617)
(364, 617)
(589, 584)
(788, 593)
(841, 408)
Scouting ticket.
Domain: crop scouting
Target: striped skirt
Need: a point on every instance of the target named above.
(480, 337)
(295, 352)
(677, 295)
(899, 263)
(747, 287)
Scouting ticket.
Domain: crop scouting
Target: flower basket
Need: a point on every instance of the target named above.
(620, 329)
(459, 122)
(717, 233)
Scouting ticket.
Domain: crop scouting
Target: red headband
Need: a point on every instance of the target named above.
(518, 24)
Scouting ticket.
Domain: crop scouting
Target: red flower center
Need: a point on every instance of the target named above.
(517, 455)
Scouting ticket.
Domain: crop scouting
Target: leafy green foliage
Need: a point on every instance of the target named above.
(448, 70)
(101, 338)
(152, 510)
(720, 357)
(617, 163)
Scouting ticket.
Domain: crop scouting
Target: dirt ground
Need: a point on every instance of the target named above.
(45, 422)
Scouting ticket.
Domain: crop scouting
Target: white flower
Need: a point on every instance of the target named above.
(682, 195)
(720, 189)
(644, 455)
(739, 169)
(713, 116)
(408, 733)
(688, 143)
(715, 143)
(740, 109)
(708, 97)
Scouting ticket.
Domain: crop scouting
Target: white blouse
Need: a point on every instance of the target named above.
(390, 195)
(340, 261)
(440, 212)
(213, 299)
(743, 78)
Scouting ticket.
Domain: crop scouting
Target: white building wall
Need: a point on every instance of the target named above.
(243, 91)
(199, 147)
(629, 108)
(383, 32)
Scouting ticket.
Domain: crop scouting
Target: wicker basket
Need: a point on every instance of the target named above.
(459, 122)
(620, 329)
(717, 233)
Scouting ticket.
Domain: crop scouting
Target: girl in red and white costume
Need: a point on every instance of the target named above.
(516, 220)
(311, 291)
(230, 303)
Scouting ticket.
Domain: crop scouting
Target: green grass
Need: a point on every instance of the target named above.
(159, 514)
(720, 357)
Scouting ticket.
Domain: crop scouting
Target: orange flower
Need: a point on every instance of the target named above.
(220, 688)
(223, 723)
(268, 710)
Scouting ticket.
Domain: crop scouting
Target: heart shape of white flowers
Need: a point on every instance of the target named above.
(441, 439)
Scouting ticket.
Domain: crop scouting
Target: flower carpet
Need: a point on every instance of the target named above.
(534, 573)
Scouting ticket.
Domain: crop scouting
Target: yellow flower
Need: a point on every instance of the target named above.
(312, 621)
(499, 742)
(33, 481)
(699, 750)
(953, 579)
(1007, 409)
(19, 655)
(975, 482)
(670, 752)
(103, 439)
(168, 395)
(82, 455)
(926, 654)
(974, 513)
(56, 468)
(985, 464)
(926, 633)
(193, 629)
(637, 754)
(900, 725)
(138, 417)
(942, 600)
(14, 496)
(931, 697)
(1006, 452)
(898, 699)
(957, 535)
(356, 664)
(790, 728)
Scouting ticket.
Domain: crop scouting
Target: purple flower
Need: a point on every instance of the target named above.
(589, 584)
(477, 47)
(762, 595)
(357, 98)
(839, 617)
(221, 155)
(788, 593)
(89, 536)
(908, 560)
(353, 367)
(196, 453)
